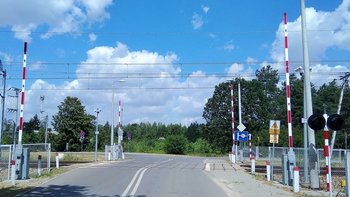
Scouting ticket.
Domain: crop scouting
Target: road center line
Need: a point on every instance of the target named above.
(131, 182)
(138, 182)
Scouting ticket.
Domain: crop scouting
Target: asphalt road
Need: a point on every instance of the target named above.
(143, 175)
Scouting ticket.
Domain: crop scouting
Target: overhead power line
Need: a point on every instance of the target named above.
(152, 33)
(204, 63)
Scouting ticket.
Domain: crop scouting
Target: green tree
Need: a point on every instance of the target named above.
(70, 119)
(30, 130)
(175, 144)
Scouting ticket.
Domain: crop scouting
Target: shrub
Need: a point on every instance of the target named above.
(175, 144)
(201, 146)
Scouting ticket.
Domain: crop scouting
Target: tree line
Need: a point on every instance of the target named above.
(263, 99)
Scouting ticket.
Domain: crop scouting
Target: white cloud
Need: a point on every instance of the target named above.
(92, 37)
(251, 60)
(205, 9)
(197, 21)
(211, 35)
(229, 46)
(320, 73)
(5, 57)
(158, 96)
(35, 66)
(326, 30)
(59, 17)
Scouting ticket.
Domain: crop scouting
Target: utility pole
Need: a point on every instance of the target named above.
(96, 132)
(345, 80)
(113, 111)
(314, 175)
(15, 110)
(42, 98)
(3, 73)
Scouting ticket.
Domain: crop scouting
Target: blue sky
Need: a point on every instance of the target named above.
(149, 44)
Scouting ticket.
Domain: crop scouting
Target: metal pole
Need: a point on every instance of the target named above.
(327, 157)
(119, 125)
(46, 123)
(234, 155)
(22, 98)
(3, 104)
(314, 175)
(306, 158)
(96, 132)
(273, 155)
(347, 173)
(112, 127)
(346, 77)
(239, 103)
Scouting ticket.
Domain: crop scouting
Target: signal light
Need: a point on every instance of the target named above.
(335, 122)
(316, 122)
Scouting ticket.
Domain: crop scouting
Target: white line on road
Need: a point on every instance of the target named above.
(131, 182)
(138, 182)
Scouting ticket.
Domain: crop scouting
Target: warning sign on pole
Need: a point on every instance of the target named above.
(274, 131)
(274, 139)
(274, 127)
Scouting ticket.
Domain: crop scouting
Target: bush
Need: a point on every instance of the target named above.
(201, 146)
(175, 144)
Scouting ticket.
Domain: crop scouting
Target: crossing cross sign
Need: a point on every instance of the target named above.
(274, 127)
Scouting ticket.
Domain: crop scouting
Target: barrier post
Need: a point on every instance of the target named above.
(253, 165)
(296, 187)
(268, 171)
(39, 165)
(57, 161)
(13, 172)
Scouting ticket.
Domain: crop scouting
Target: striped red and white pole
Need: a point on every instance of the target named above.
(326, 154)
(120, 103)
(289, 110)
(232, 116)
(250, 146)
(22, 96)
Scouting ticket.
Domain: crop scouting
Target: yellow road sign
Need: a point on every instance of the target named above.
(274, 127)
(274, 139)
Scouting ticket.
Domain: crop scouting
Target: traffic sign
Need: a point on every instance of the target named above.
(241, 127)
(274, 127)
(241, 136)
(274, 139)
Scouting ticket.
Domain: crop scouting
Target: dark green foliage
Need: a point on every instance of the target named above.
(70, 119)
(175, 144)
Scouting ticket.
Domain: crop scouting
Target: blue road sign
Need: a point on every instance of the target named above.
(241, 136)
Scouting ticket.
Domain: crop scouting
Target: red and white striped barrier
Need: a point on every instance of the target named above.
(326, 154)
(289, 110)
(250, 146)
(233, 127)
(22, 95)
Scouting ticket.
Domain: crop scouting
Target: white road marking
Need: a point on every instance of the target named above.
(138, 182)
(131, 182)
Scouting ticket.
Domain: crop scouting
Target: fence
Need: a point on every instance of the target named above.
(337, 160)
(7, 154)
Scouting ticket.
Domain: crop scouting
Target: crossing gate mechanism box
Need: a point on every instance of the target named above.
(22, 163)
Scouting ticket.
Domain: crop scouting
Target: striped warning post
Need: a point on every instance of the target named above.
(22, 95)
(289, 110)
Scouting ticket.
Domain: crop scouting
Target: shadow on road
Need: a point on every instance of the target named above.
(64, 190)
